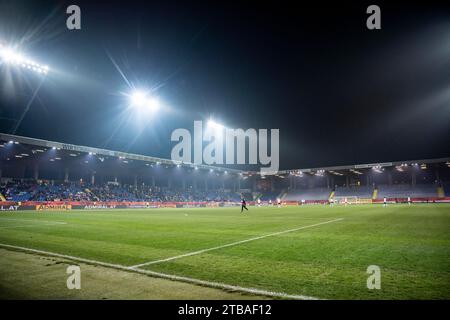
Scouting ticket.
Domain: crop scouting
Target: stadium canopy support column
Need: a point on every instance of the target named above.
(135, 181)
(239, 184)
(66, 175)
(311, 183)
(36, 172)
(206, 184)
(153, 182)
(93, 178)
(183, 183)
(413, 177)
(194, 183)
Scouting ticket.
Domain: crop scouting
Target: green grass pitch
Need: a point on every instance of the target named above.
(410, 244)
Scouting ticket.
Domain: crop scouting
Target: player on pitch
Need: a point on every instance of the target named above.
(243, 204)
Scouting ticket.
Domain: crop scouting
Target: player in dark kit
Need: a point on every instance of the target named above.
(243, 204)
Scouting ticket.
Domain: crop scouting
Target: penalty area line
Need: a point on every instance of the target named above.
(232, 244)
(205, 283)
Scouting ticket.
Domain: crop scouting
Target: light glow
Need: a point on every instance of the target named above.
(214, 125)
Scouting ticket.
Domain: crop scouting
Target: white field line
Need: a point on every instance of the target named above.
(32, 220)
(33, 225)
(233, 244)
(217, 285)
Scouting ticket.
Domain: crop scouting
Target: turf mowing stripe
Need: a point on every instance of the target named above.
(217, 285)
(232, 244)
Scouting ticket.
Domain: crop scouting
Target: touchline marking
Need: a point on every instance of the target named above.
(232, 244)
(217, 285)
(38, 220)
(33, 225)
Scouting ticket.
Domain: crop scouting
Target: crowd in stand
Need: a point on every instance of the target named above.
(70, 191)
(76, 191)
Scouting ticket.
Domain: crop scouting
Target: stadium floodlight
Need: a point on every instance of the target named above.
(10, 56)
(142, 100)
(138, 98)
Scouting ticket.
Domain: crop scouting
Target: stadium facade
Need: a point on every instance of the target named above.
(38, 173)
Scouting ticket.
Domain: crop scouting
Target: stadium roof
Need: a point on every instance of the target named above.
(105, 152)
(132, 156)
(367, 166)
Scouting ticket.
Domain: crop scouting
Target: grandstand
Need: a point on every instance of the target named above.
(270, 195)
(355, 191)
(19, 191)
(311, 194)
(446, 188)
(34, 170)
(406, 190)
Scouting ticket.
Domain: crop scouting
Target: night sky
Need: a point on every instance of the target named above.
(339, 93)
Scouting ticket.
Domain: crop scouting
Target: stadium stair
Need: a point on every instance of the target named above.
(375, 194)
(440, 192)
